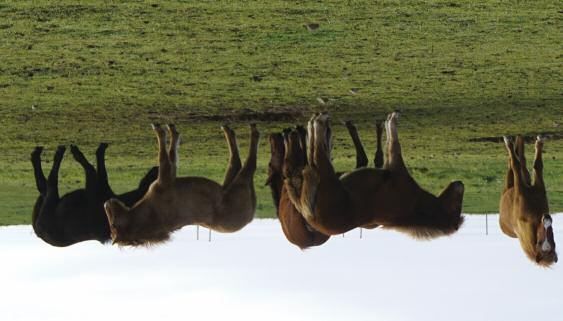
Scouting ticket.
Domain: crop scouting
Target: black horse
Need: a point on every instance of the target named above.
(79, 215)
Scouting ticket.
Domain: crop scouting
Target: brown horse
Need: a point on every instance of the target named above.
(283, 165)
(370, 197)
(79, 215)
(173, 202)
(524, 210)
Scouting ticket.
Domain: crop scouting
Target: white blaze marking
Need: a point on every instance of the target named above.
(545, 247)
(547, 222)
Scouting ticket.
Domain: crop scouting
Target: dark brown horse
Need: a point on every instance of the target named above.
(369, 197)
(79, 215)
(524, 210)
(288, 156)
(173, 202)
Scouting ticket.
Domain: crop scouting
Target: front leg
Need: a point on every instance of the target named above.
(361, 157)
(40, 179)
(89, 170)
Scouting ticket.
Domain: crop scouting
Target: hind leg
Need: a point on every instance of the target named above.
(40, 179)
(378, 160)
(514, 162)
(173, 149)
(44, 218)
(361, 157)
(394, 161)
(235, 164)
(101, 169)
(538, 164)
(249, 167)
(522, 156)
(325, 202)
(165, 171)
(89, 170)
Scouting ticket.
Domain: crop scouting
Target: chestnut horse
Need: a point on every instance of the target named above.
(79, 215)
(524, 210)
(172, 202)
(369, 197)
(283, 164)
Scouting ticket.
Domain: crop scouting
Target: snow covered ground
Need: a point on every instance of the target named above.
(256, 274)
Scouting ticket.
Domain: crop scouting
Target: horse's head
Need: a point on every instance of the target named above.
(118, 218)
(545, 254)
(451, 198)
(128, 226)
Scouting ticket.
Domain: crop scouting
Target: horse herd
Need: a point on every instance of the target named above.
(312, 200)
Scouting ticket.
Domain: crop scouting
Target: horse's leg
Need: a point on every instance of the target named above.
(522, 156)
(40, 179)
(275, 176)
(509, 181)
(103, 181)
(165, 171)
(311, 138)
(249, 167)
(378, 160)
(302, 141)
(514, 164)
(90, 172)
(322, 145)
(394, 161)
(234, 159)
(44, 219)
(538, 164)
(324, 199)
(173, 149)
(361, 157)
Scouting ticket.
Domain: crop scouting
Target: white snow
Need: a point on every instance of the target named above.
(256, 274)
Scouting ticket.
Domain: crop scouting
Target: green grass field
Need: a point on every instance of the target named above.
(457, 70)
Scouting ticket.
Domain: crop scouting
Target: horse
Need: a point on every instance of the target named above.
(283, 165)
(370, 197)
(173, 202)
(79, 215)
(524, 209)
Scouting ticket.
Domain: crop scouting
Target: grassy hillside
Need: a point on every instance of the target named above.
(97, 71)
